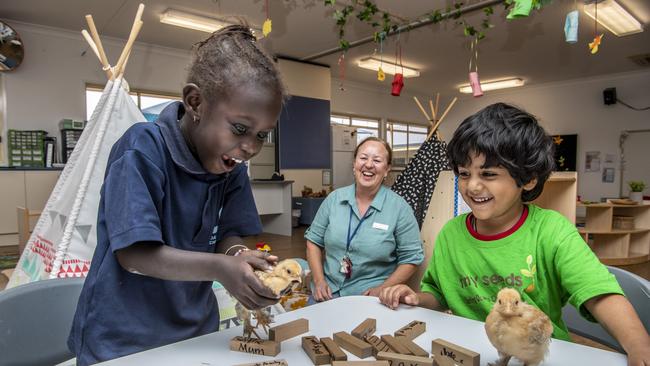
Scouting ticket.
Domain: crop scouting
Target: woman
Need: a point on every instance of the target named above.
(368, 234)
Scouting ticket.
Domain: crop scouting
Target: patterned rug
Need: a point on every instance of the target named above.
(8, 261)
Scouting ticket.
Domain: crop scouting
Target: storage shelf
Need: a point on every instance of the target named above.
(633, 258)
(613, 231)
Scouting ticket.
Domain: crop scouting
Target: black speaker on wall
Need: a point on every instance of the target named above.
(609, 96)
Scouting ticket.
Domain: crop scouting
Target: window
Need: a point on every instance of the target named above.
(366, 127)
(150, 103)
(405, 139)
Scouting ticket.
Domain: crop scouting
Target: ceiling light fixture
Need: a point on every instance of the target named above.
(613, 17)
(196, 22)
(372, 63)
(493, 85)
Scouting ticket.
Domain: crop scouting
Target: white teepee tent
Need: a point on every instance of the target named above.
(64, 239)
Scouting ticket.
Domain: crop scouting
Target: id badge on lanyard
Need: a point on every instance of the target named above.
(346, 262)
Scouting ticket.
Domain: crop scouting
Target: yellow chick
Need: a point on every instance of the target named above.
(517, 329)
(280, 280)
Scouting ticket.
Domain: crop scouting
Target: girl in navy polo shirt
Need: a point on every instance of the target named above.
(175, 196)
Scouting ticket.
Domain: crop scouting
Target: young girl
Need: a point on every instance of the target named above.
(502, 158)
(175, 195)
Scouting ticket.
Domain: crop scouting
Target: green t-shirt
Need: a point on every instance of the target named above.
(545, 259)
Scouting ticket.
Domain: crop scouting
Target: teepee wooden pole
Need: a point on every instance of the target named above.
(422, 109)
(135, 29)
(437, 101)
(91, 43)
(98, 45)
(433, 111)
(441, 118)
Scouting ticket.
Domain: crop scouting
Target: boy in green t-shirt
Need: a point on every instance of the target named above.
(502, 158)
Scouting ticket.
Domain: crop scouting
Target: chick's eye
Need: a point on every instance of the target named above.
(516, 302)
(499, 301)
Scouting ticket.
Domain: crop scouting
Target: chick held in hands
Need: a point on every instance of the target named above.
(517, 329)
(280, 279)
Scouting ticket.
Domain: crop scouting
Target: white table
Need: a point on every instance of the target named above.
(344, 314)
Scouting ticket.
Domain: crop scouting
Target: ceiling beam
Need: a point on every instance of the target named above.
(405, 28)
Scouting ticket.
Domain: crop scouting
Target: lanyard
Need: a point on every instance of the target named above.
(347, 247)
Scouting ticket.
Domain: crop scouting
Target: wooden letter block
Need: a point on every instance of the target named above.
(335, 351)
(412, 329)
(377, 345)
(361, 363)
(449, 354)
(266, 363)
(366, 328)
(288, 330)
(413, 348)
(315, 350)
(394, 345)
(398, 359)
(255, 346)
(356, 346)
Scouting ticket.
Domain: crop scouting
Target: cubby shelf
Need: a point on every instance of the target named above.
(616, 246)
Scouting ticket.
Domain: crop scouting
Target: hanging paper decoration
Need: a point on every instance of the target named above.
(593, 45)
(474, 81)
(521, 9)
(571, 27)
(398, 79)
(341, 63)
(381, 76)
(266, 27)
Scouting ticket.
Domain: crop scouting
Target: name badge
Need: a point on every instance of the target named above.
(376, 225)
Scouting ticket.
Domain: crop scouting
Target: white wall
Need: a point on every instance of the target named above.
(50, 83)
(576, 107)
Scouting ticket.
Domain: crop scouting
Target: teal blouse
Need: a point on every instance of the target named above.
(389, 236)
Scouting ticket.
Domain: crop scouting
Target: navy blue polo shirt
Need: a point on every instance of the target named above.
(156, 191)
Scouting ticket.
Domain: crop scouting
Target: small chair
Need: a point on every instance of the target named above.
(637, 291)
(35, 320)
(25, 217)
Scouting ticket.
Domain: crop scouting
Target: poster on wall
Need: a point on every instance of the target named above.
(592, 161)
(566, 147)
(608, 175)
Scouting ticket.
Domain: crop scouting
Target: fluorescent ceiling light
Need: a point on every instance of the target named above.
(371, 63)
(196, 22)
(613, 17)
(493, 85)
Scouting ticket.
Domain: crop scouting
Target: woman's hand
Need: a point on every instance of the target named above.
(322, 291)
(392, 296)
(375, 291)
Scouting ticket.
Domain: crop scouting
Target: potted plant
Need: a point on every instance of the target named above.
(636, 190)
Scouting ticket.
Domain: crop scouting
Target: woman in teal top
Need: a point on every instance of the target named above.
(364, 236)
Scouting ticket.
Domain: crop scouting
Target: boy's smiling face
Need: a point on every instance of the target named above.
(492, 194)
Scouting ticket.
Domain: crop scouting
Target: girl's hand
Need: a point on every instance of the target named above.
(322, 291)
(393, 295)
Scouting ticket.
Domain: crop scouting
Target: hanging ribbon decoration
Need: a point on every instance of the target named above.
(267, 26)
(341, 64)
(398, 79)
(474, 81)
(381, 76)
(593, 46)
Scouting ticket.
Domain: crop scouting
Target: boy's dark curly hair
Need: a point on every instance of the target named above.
(508, 137)
(231, 57)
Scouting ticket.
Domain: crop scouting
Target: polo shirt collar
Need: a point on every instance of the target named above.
(168, 121)
(377, 203)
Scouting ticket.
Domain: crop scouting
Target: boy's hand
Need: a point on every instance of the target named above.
(640, 357)
(242, 283)
(392, 296)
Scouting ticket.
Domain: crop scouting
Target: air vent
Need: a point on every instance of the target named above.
(641, 60)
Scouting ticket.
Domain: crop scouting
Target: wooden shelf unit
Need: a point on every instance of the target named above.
(617, 246)
(560, 193)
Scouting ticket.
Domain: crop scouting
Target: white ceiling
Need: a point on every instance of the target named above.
(532, 48)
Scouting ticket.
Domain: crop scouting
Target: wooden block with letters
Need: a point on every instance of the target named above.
(399, 359)
(394, 345)
(449, 354)
(315, 350)
(412, 329)
(288, 330)
(361, 363)
(255, 346)
(266, 363)
(366, 328)
(335, 351)
(377, 345)
(353, 344)
(413, 348)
